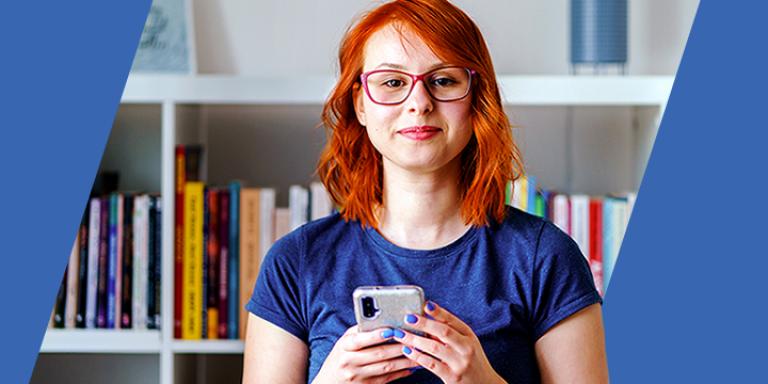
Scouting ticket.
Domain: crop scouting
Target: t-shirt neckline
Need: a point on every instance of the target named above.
(450, 249)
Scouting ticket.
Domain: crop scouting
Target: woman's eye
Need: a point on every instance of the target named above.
(393, 83)
(443, 81)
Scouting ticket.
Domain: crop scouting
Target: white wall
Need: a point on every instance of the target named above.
(248, 37)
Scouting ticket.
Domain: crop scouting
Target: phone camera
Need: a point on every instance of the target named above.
(369, 307)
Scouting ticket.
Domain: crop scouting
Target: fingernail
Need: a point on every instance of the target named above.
(414, 369)
(407, 350)
(387, 333)
(431, 306)
(399, 334)
(411, 319)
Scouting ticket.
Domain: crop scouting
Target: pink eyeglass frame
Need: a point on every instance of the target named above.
(415, 79)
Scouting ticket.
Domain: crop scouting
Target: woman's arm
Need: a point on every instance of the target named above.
(573, 351)
(272, 355)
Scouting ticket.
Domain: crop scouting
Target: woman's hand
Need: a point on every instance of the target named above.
(453, 351)
(356, 358)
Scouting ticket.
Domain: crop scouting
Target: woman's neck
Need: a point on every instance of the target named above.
(421, 211)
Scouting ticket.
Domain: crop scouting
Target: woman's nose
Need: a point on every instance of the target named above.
(420, 101)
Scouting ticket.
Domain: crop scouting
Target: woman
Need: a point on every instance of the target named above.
(418, 155)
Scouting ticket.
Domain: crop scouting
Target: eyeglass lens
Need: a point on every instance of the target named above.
(444, 84)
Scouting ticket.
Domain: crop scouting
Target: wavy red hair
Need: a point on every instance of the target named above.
(350, 167)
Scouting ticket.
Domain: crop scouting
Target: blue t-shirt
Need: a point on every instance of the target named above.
(510, 282)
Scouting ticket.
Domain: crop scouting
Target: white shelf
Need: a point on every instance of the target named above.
(101, 341)
(313, 90)
(207, 346)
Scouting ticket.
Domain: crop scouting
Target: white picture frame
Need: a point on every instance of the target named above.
(167, 43)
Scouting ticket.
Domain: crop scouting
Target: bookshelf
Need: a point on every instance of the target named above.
(603, 132)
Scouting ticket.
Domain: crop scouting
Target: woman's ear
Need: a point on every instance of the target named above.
(357, 95)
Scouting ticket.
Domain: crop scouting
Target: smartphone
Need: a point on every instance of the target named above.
(386, 306)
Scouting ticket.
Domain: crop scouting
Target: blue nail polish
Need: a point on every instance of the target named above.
(387, 333)
(399, 334)
(414, 369)
(411, 319)
(407, 350)
(430, 306)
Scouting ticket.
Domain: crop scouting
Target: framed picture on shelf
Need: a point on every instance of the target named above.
(167, 42)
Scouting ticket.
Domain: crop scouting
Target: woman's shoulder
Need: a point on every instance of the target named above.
(529, 228)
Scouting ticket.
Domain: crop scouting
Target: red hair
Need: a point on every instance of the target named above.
(351, 168)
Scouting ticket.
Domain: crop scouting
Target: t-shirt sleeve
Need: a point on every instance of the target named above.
(562, 281)
(277, 296)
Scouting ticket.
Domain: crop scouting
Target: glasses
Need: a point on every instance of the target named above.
(391, 87)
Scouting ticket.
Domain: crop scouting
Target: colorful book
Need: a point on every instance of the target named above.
(119, 261)
(126, 290)
(61, 302)
(82, 278)
(596, 242)
(140, 260)
(158, 255)
(178, 247)
(193, 261)
(112, 261)
(233, 305)
(213, 247)
(103, 271)
(94, 227)
(223, 299)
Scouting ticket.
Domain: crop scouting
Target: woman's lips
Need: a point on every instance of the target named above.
(422, 132)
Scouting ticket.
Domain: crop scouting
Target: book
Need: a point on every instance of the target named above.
(151, 259)
(282, 222)
(119, 261)
(94, 227)
(250, 249)
(233, 307)
(73, 269)
(103, 272)
(111, 262)
(140, 260)
(61, 302)
(213, 247)
(596, 242)
(126, 290)
(298, 203)
(580, 222)
(223, 299)
(561, 212)
(193, 261)
(178, 235)
(82, 278)
(158, 255)
(320, 205)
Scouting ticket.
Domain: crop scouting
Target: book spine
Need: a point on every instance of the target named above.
(151, 263)
(212, 292)
(82, 278)
(61, 302)
(204, 294)
(223, 263)
(118, 298)
(140, 225)
(596, 242)
(178, 247)
(126, 318)
(73, 270)
(93, 262)
(103, 274)
(112, 261)
(158, 261)
(193, 261)
(249, 248)
(233, 307)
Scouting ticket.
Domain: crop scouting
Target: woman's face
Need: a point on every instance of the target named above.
(419, 135)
